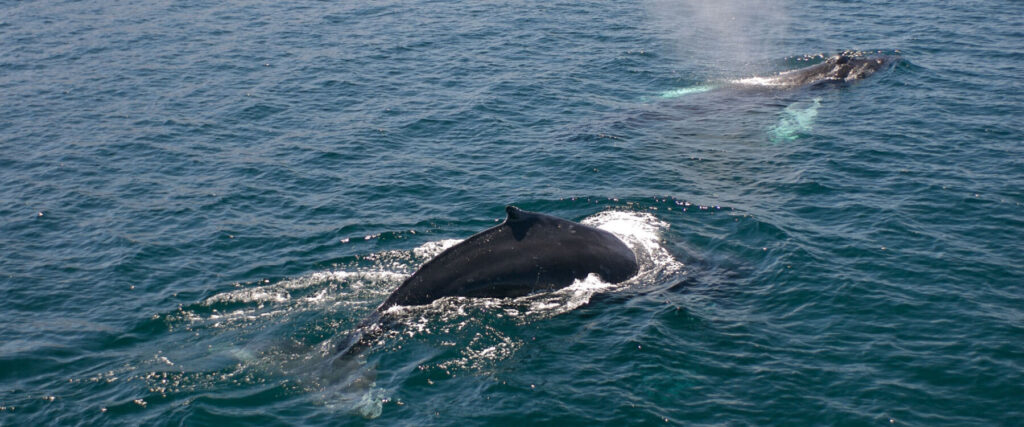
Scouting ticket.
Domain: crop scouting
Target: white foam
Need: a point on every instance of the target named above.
(260, 294)
(432, 249)
(566, 299)
(286, 296)
(760, 81)
(640, 231)
(279, 292)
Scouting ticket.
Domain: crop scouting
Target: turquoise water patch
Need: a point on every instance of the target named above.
(675, 93)
(796, 120)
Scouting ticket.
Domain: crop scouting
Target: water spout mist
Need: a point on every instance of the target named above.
(725, 37)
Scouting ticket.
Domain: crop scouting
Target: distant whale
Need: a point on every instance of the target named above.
(528, 252)
(839, 68)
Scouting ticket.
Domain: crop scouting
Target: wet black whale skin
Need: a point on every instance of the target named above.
(528, 252)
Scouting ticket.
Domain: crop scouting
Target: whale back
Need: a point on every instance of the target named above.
(528, 252)
(836, 69)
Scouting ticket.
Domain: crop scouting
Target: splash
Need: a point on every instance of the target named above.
(432, 249)
(796, 120)
(642, 233)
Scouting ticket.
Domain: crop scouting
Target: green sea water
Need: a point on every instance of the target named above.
(199, 200)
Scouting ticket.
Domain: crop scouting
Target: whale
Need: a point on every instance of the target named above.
(839, 68)
(527, 253)
(843, 68)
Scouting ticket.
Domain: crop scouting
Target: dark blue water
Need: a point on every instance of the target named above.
(198, 199)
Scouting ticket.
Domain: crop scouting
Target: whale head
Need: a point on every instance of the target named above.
(847, 67)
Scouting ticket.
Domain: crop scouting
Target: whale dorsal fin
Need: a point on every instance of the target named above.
(514, 214)
(520, 221)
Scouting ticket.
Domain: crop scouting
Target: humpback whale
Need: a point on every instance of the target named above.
(843, 67)
(528, 252)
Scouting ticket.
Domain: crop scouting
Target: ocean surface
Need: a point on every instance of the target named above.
(200, 199)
